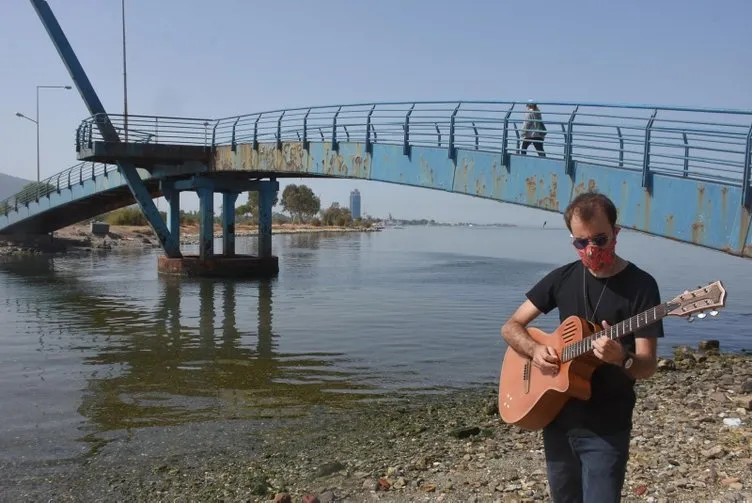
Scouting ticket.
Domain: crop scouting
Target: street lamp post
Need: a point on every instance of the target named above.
(36, 121)
(125, 79)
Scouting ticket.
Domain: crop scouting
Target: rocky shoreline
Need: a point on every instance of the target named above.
(79, 238)
(692, 441)
(192, 238)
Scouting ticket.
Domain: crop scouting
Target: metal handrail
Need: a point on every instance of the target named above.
(66, 179)
(694, 143)
(682, 140)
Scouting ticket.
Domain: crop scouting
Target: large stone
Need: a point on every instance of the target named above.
(664, 365)
(283, 498)
(99, 228)
(744, 401)
(709, 345)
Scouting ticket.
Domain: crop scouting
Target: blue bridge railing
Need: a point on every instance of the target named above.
(34, 191)
(702, 144)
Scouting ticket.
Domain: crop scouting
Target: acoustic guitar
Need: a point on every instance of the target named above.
(531, 400)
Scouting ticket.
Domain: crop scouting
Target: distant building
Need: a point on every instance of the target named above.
(355, 203)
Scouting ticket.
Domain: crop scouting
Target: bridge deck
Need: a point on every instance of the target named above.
(143, 153)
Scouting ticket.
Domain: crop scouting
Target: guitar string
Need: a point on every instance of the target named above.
(614, 330)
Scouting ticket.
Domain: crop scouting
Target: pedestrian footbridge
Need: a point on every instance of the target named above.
(679, 173)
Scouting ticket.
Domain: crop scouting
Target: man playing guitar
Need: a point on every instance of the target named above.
(587, 444)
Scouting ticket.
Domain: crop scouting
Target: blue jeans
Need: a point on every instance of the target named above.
(585, 468)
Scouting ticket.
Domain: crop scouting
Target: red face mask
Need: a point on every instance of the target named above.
(597, 258)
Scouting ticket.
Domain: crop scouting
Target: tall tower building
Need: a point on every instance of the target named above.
(355, 203)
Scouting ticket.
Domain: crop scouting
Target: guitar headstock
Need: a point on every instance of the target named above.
(702, 301)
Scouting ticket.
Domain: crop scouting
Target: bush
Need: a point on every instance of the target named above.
(131, 215)
(335, 215)
(126, 216)
(189, 218)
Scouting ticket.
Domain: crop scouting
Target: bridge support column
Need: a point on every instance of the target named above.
(206, 220)
(173, 212)
(267, 191)
(228, 223)
(229, 264)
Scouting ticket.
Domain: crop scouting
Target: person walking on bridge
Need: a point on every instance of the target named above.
(533, 130)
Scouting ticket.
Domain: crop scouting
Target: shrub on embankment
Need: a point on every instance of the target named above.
(132, 215)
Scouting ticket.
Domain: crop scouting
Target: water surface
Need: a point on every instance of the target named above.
(99, 352)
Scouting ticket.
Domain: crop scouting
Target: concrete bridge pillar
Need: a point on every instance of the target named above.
(206, 220)
(229, 263)
(267, 191)
(173, 212)
(228, 223)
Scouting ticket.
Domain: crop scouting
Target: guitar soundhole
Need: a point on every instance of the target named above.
(569, 332)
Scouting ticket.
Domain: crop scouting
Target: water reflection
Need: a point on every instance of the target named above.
(303, 240)
(201, 350)
(168, 316)
(180, 372)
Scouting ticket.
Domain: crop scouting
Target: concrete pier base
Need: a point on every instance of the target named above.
(219, 266)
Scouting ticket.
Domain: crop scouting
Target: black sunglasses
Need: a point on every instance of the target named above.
(599, 240)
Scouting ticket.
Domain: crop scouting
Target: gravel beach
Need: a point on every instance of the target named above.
(692, 441)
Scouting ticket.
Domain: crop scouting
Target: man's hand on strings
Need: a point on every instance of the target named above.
(608, 350)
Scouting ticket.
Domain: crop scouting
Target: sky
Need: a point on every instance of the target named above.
(228, 57)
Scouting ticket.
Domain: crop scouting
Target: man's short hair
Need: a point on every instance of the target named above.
(586, 205)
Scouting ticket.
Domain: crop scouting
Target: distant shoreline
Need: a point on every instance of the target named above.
(80, 237)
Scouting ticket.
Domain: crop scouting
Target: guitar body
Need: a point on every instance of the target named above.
(531, 400)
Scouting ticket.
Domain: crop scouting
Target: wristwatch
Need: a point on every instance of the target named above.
(628, 360)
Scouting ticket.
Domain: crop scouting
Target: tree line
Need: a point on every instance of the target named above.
(304, 206)
(299, 201)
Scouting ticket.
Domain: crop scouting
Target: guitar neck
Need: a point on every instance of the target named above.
(621, 329)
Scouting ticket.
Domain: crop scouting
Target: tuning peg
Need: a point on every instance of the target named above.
(701, 315)
(713, 313)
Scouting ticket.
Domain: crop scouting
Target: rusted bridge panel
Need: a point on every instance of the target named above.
(348, 161)
(702, 213)
(529, 181)
(425, 167)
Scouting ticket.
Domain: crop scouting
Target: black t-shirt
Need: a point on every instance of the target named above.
(613, 299)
